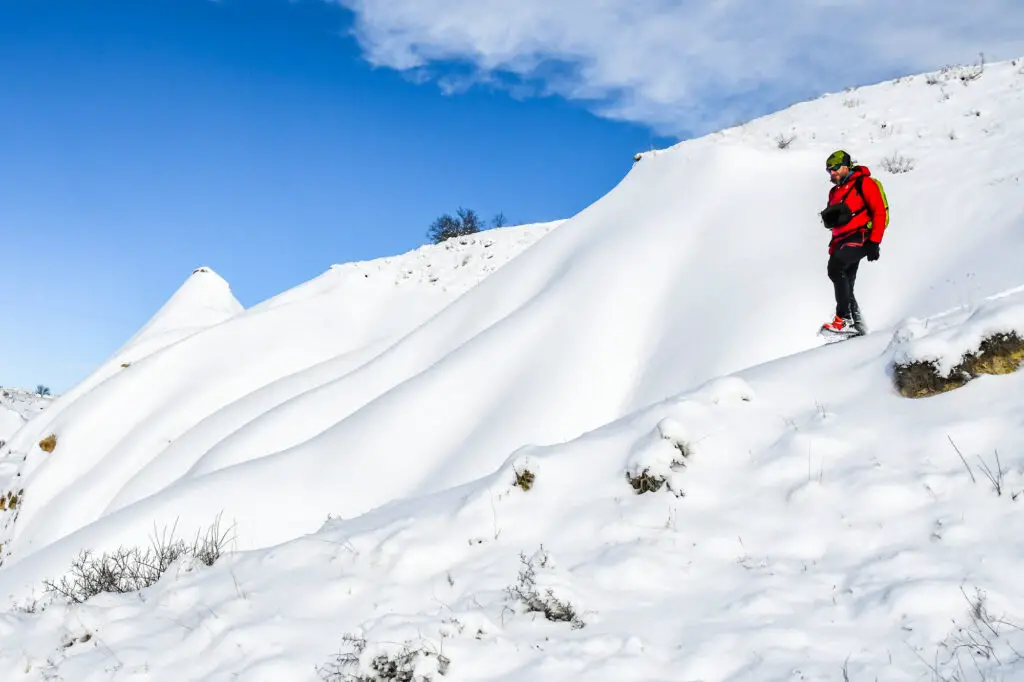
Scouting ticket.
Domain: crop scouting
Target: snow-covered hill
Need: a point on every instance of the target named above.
(188, 367)
(17, 406)
(807, 516)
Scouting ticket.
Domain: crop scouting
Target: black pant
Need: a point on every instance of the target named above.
(842, 270)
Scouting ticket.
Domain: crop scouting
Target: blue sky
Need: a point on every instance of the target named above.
(268, 139)
(143, 139)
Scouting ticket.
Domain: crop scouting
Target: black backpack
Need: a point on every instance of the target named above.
(839, 214)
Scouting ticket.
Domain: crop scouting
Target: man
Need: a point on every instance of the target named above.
(857, 214)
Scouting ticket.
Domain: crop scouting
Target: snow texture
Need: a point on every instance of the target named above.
(435, 451)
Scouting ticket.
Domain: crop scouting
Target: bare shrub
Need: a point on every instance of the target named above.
(207, 548)
(130, 569)
(396, 666)
(783, 141)
(524, 479)
(986, 648)
(447, 227)
(964, 73)
(525, 592)
(644, 482)
(897, 163)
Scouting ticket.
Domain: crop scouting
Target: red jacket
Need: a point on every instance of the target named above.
(869, 218)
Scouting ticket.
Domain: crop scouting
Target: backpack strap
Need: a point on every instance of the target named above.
(858, 183)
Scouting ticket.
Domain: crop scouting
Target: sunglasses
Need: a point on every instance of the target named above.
(833, 169)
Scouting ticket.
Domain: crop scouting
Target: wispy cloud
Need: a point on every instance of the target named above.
(680, 66)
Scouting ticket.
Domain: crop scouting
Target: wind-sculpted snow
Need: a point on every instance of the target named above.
(711, 494)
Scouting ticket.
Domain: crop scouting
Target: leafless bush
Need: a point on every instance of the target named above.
(986, 648)
(397, 666)
(525, 592)
(897, 163)
(965, 73)
(974, 72)
(132, 569)
(524, 479)
(783, 141)
(644, 482)
(28, 605)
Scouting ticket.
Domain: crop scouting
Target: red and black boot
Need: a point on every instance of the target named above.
(840, 326)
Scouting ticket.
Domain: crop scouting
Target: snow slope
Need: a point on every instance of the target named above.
(813, 527)
(18, 406)
(825, 518)
(202, 368)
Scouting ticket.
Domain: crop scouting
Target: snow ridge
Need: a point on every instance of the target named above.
(453, 266)
(204, 300)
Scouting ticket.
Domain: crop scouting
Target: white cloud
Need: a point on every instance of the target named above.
(678, 65)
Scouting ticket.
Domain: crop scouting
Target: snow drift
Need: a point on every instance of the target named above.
(808, 527)
(707, 258)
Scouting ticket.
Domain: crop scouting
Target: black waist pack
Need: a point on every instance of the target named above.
(836, 215)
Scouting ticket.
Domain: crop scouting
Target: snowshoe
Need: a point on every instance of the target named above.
(836, 337)
(840, 329)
